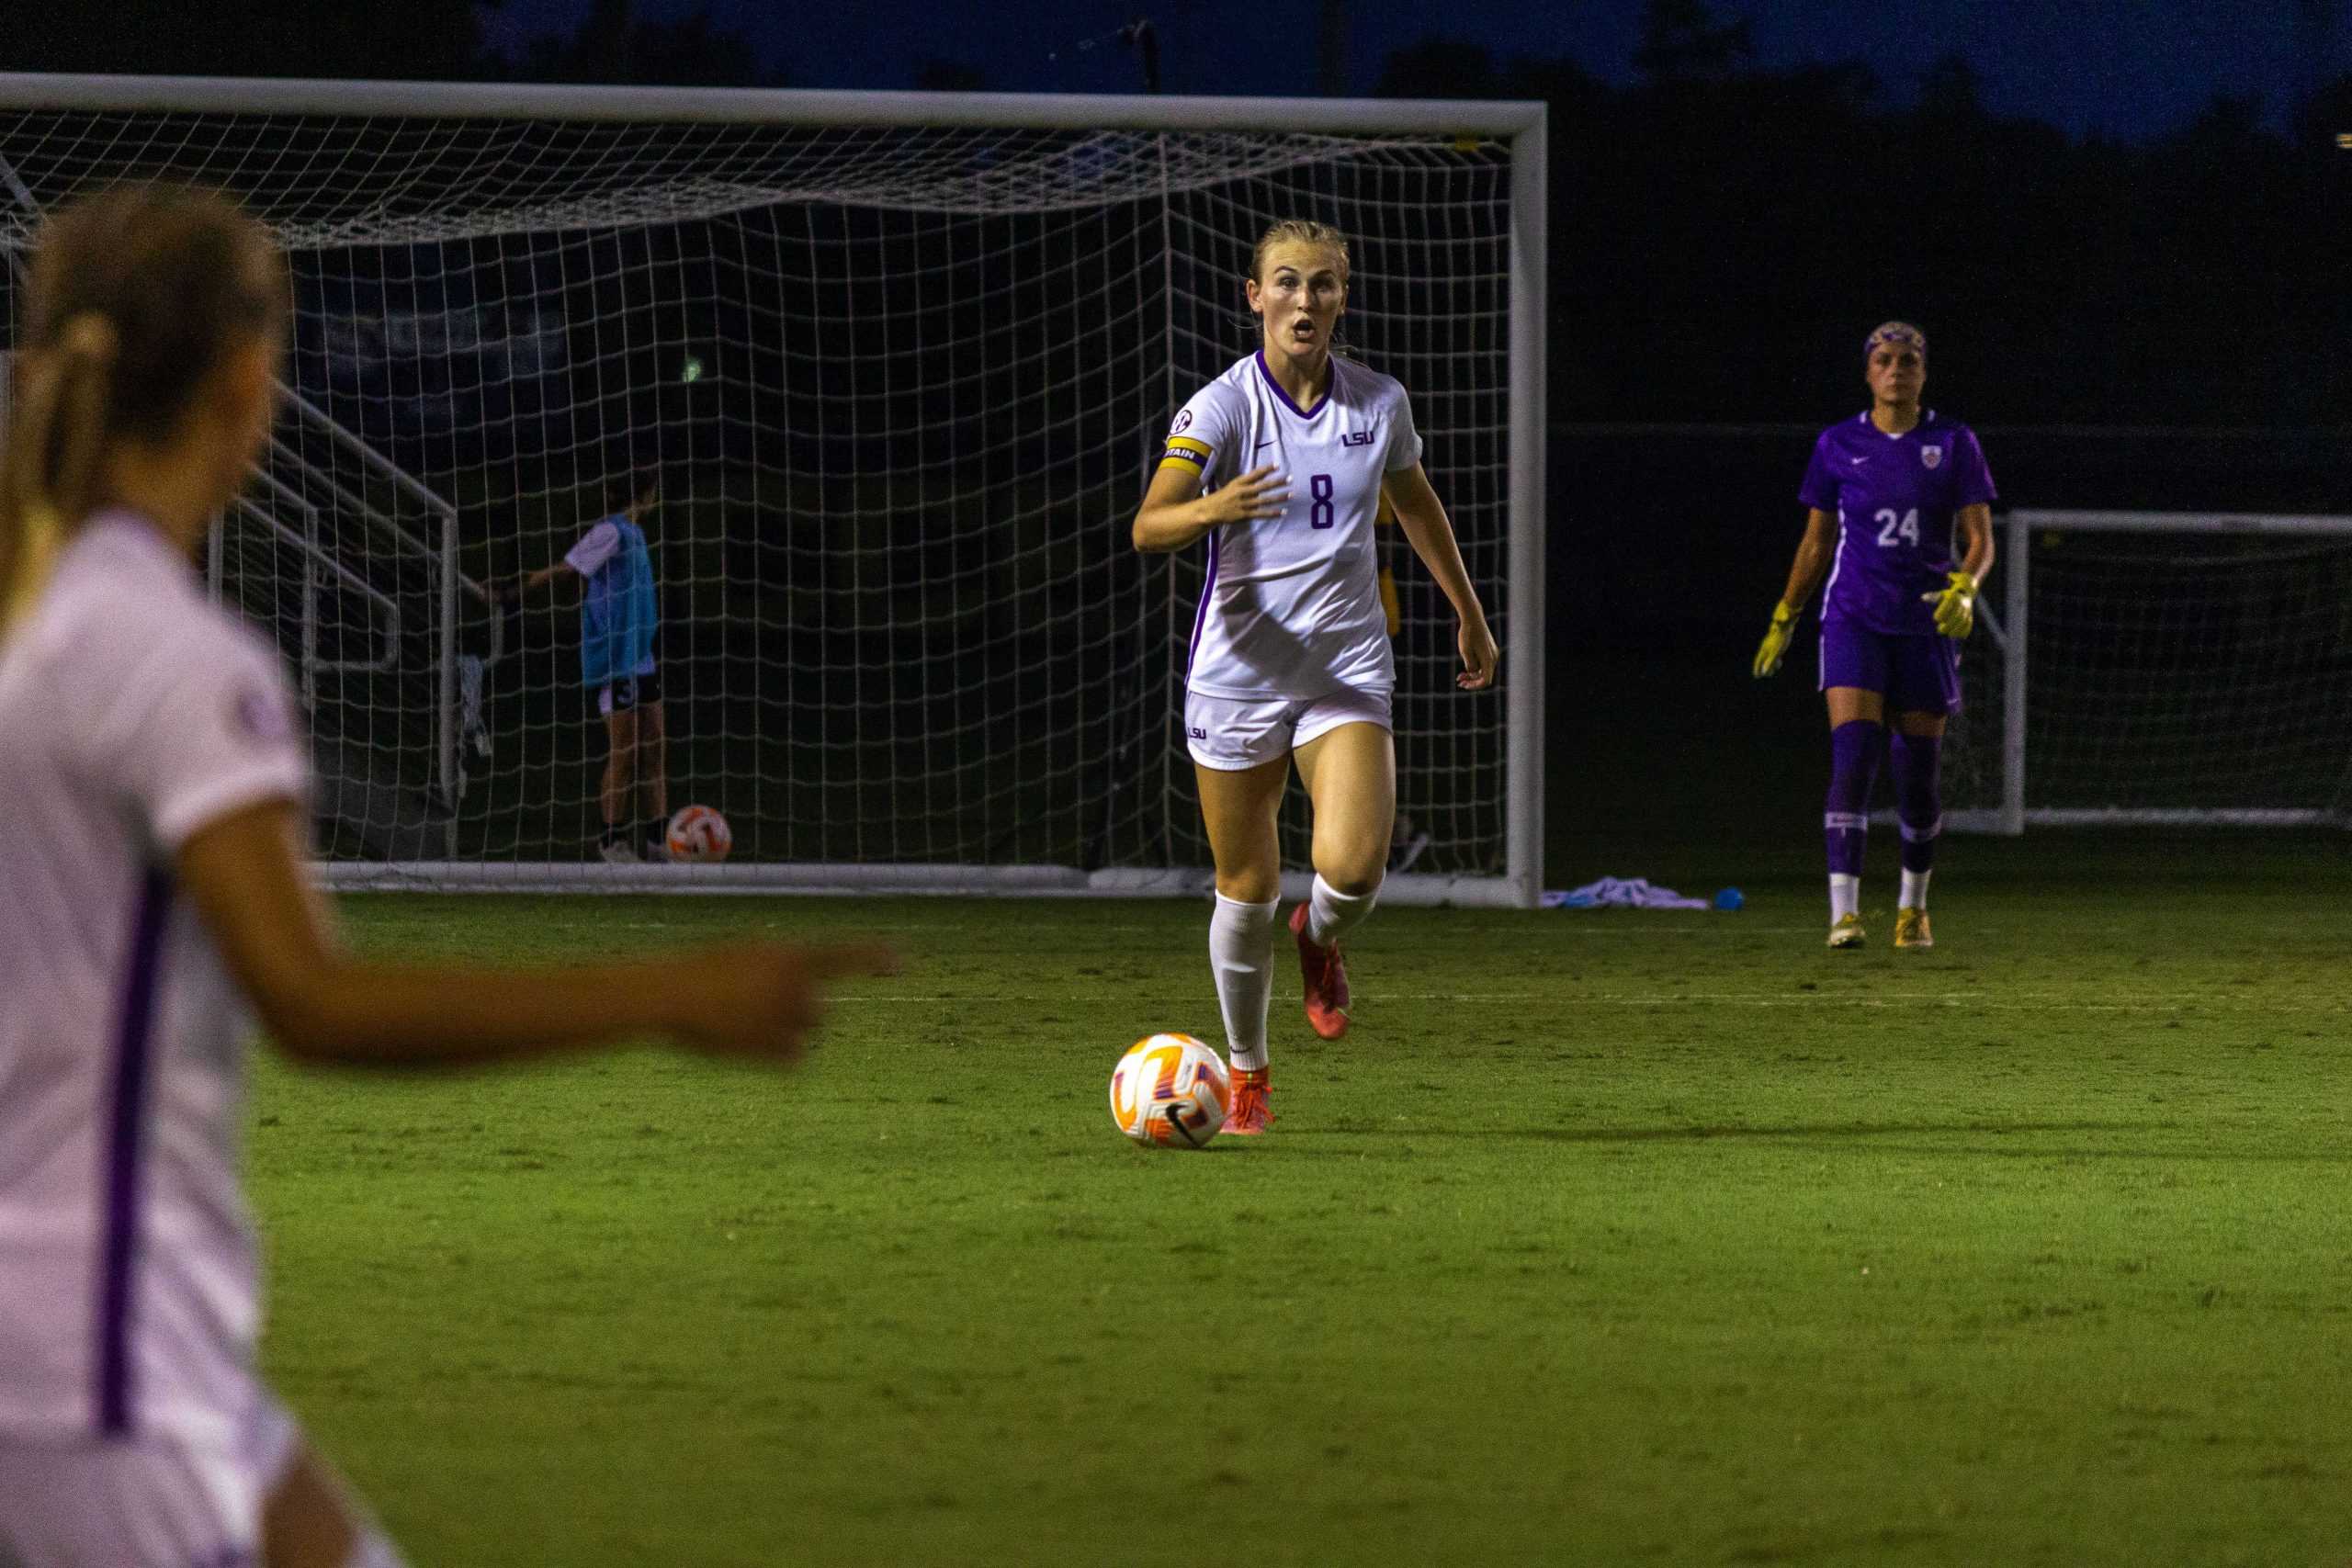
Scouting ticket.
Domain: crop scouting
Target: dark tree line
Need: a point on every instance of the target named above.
(412, 41)
(1722, 237)
(1721, 234)
(416, 39)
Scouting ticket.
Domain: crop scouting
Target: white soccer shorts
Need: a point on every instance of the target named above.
(126, 1504)
(1233, 733)
(150, 1503)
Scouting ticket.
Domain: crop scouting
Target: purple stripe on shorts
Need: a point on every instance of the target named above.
(128, 1098)
(1201, 615)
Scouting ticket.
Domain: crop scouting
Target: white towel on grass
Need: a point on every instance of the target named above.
(1635, 893)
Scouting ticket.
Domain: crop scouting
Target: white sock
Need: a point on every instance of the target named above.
(1845, 897)
(1242, 956)
(1331, 914)
(1915, 889)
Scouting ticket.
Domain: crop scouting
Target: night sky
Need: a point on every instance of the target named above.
(2128, 69)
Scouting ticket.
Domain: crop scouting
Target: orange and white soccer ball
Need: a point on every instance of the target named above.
(698, 833)
(1171, 1092)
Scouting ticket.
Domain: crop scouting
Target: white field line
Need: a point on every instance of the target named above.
(2011, 1001)
(1593, 928)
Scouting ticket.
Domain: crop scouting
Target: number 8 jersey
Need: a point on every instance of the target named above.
(1894, 497)
(1291, 606)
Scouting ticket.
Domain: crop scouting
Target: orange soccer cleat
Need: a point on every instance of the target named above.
(1325, 976)
(1252, 1111)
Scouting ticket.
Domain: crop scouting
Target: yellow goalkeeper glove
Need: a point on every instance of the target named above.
(1776, 640)
(1955, 606)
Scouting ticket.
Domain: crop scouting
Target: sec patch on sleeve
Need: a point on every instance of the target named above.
(261, 716)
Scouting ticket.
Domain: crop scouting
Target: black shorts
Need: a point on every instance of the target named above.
(629, 691)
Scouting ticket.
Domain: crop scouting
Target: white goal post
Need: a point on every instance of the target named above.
(900, 363)
(2159, 669)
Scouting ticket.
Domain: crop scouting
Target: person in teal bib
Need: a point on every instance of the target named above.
(620, 615)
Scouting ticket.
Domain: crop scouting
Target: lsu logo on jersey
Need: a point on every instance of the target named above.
(1356, 439)
(1931, 455)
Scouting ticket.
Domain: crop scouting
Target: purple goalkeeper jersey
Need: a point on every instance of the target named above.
(1894, 497)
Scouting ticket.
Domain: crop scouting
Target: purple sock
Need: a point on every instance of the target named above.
(1918, 796)
(1854, 766)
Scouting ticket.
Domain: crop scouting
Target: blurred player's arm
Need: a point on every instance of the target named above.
(245, 873)
(1174, 512)
(1804, 575)
(1427, 529)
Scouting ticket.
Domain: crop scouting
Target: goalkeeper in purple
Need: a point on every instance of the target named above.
(1900, 521)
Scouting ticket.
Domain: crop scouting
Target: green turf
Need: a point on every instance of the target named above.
(1604, 1238)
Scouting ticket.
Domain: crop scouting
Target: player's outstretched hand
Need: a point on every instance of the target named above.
(1479, 656)
(1955, 604)
(1258, 494)
(1775, 646)
(762, 1000)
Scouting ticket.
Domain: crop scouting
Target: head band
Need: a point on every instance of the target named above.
(1896, 332)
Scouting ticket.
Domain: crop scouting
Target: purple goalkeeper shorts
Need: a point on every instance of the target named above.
(1915, 675)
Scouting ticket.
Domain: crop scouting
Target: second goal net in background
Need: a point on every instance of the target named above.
(901, 365)
(2151, 668)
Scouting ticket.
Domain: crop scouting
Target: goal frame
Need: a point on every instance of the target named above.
(1523, 124)
(2011, 632)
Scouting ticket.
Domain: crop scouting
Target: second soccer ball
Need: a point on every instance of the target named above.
(698, 833)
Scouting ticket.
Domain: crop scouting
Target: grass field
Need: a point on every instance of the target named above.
(1604, 1238)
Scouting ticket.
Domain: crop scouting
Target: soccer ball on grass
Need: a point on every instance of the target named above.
(1171, 1092)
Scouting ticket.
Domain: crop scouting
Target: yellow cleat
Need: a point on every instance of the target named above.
(1847, 932)
(1911, 929)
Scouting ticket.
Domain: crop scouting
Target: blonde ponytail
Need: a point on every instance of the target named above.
(48, 474)
(135, 295)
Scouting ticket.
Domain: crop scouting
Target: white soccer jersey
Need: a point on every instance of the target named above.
(132, 713)
(597, 546)
(1291, 606)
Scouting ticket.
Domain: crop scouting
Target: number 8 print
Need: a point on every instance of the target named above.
(1321, 516)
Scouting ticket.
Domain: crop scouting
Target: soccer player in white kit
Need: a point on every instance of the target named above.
(152, 886)
(1280, 463)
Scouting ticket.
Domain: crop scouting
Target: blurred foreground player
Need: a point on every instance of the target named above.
(153, 884)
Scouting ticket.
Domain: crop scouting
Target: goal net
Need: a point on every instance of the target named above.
(901, 366)
(2161, 667)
